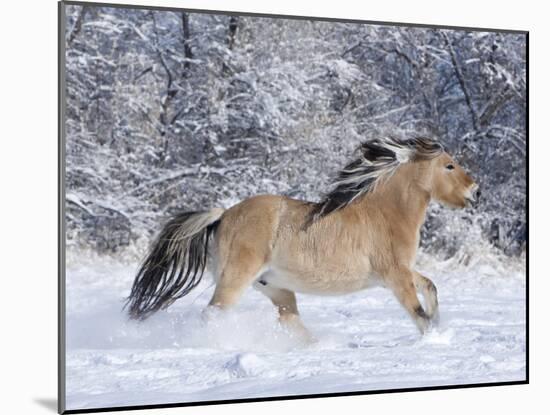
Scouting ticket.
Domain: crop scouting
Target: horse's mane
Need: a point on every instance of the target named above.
(377, 159)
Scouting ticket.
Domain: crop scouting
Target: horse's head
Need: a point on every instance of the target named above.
(451, 185)
(397, 160)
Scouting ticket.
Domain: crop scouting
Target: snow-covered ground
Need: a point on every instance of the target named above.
(365, 341)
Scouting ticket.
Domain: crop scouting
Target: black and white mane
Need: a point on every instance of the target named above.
(378, 159)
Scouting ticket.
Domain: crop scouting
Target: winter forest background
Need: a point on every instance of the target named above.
(169, 111)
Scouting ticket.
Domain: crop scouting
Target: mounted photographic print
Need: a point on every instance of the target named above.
(256, 207)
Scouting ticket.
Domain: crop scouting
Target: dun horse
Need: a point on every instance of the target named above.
(364, 233)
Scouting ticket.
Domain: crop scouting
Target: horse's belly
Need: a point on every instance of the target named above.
(321, 283)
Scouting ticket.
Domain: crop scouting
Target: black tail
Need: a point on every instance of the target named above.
(175, 263)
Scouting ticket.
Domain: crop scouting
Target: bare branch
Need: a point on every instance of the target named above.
(77, 27)
(462, 82)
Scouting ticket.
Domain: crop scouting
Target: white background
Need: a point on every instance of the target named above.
(28, 203)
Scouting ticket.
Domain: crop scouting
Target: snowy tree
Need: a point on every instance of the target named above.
(176, 110)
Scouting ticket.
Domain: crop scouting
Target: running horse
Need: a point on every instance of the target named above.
(365, 232)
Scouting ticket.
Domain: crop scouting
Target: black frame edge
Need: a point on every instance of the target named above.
(527, 138)
(61, 209)
(285, 16)
(293, 397)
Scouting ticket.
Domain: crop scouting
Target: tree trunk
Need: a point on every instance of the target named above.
(186, 46)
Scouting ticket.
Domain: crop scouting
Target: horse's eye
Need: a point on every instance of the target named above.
(449, 167)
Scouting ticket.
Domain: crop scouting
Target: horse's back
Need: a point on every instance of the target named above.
(250, 227)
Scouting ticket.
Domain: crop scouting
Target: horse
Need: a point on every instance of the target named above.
(365, 232)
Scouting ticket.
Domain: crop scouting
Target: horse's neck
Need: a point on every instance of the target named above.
(402, 195)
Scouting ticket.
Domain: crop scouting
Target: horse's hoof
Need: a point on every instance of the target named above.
(298, 331)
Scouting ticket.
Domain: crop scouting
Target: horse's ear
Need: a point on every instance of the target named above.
(427, 148)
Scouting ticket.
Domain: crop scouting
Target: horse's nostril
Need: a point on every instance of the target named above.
(478, 194)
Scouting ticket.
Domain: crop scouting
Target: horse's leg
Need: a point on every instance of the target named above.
(429, 292)
(401, 281)
(242, 268)
(285, 301)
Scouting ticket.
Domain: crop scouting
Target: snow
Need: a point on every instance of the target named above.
(364, 341)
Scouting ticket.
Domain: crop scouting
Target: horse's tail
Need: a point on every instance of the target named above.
(175, 262)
